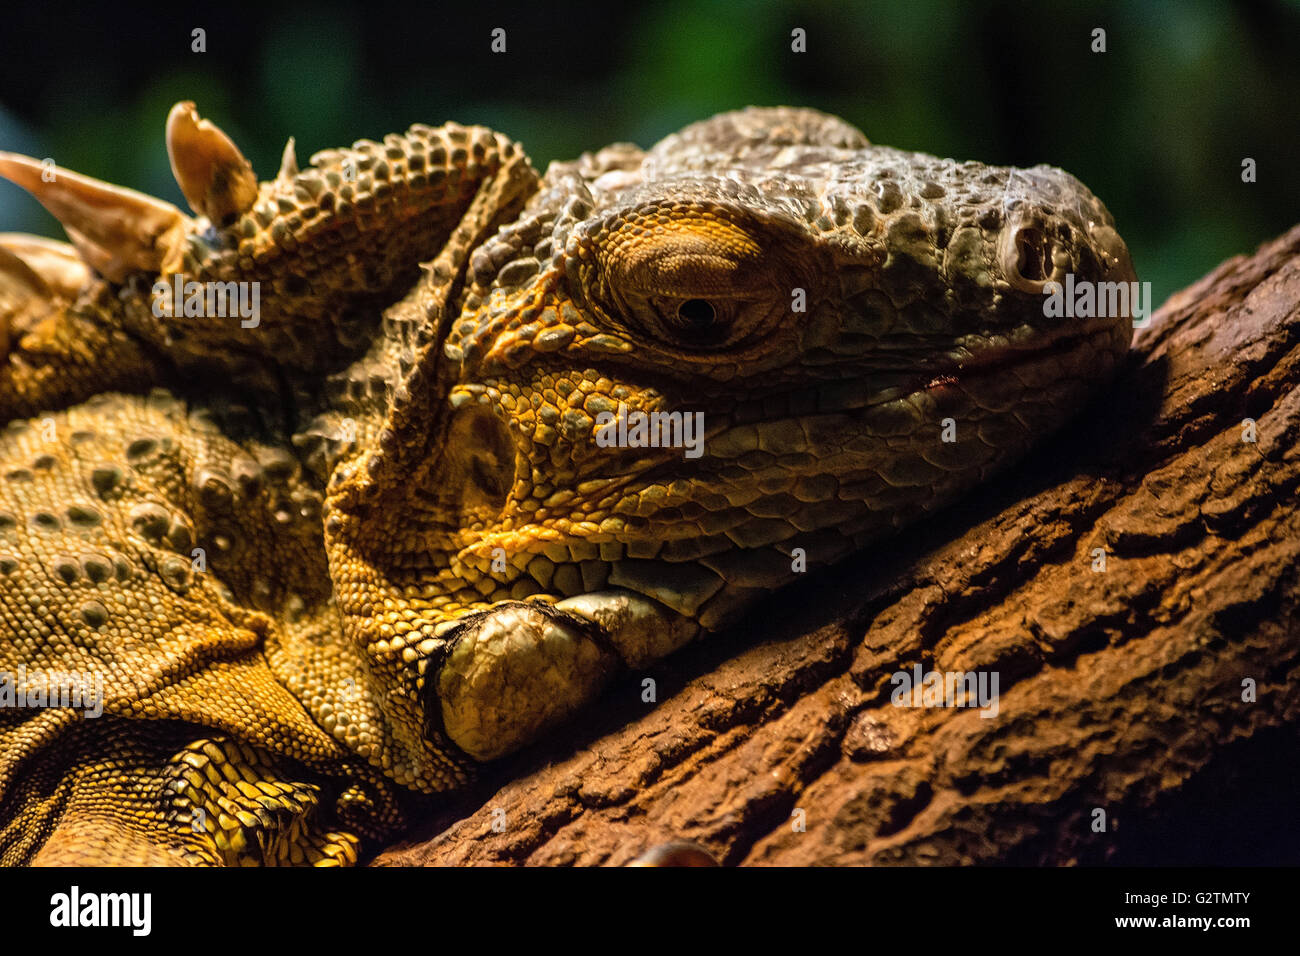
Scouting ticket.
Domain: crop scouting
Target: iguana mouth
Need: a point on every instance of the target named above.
(1001, 359)
(869, 387)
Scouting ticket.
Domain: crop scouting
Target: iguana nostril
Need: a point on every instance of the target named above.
(1029, 256)
(1034, 261)
(697, 314)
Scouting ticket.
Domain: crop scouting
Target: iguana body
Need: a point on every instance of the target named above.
(330, 558)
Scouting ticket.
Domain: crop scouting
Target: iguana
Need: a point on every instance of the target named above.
(317, 558)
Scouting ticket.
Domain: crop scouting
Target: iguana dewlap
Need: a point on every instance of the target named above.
(430, 483)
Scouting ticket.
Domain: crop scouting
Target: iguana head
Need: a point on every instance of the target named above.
(817, 305)
(679, 378)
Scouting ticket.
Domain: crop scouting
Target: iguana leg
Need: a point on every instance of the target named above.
(518, 668)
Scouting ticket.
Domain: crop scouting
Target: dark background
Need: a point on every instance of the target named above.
(1157, 126)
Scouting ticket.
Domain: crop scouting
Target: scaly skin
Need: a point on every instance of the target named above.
(331, 561)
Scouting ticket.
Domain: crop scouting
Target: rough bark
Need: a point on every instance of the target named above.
(1121, 689)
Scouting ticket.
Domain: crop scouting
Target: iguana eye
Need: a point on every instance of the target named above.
(695, 322)
(697, 315)
(688, 275)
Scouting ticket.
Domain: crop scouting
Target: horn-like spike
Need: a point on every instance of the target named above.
(216, 179)
(116, 230)
(18, 279)
(20, 286)
(57, 264)
(97, 257)
(288, 162)
(34, 273)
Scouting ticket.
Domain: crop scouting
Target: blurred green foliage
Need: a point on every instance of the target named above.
(1157, 125)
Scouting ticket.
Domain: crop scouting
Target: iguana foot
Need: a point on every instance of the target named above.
(519, 668)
